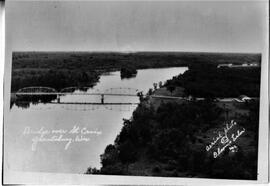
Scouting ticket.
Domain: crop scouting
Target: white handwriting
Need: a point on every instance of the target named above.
(224, 140)
(66, 136)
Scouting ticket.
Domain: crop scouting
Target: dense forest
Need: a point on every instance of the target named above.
(206, 80)
(170, 140)
(57, 79)
(112, 60)
(65, 69)
(165, 142)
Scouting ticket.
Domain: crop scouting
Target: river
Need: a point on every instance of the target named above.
(103, 122)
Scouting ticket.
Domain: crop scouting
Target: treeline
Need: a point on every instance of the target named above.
(164, 142)
(138, 60)
(57, 79)
(206, 80)
(61, 69)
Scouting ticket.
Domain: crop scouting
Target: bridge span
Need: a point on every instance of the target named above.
(78, 91)
(72, 93)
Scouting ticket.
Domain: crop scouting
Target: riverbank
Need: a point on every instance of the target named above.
(106, 118)
(171, 141)
(171, 138)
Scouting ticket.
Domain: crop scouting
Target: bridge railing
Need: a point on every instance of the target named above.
(49, 90)
(36, 89)
(73, 89)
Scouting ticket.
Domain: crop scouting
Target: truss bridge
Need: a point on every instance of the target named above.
(80, 91)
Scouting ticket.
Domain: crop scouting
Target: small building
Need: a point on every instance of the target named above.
(244, 65)
(254, 64)
(224, 65)
(244, 98)
(191, 98)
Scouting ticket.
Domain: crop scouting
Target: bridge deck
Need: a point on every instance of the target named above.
(91, 103)
(70, 93)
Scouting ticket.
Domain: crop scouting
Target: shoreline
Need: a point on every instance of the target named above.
(137, 160)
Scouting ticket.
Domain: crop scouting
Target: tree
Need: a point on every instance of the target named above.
(160, 84)
(91, 170)
(110, 156)
(127, 153)
(150, 91)
(140, 95)
(155, 86)
(171, 88)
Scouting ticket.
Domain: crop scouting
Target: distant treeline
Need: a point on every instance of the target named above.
(139, 60)
(206, 80)
(56, 79)
(65, 69)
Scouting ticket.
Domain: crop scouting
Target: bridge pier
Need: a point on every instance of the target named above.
(102, 98)
(58, 98)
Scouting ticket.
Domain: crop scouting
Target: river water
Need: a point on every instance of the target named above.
(91, 127)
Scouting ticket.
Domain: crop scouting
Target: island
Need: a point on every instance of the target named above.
(128, 72)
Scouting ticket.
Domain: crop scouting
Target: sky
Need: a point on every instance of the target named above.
(208, 26)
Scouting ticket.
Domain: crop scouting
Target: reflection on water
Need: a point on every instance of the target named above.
(24, 101)
(51, 156)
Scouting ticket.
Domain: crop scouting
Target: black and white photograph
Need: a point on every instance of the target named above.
(135, 89)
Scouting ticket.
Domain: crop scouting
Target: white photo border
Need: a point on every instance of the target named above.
(13, 177)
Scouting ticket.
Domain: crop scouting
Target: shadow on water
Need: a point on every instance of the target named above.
(25, 101)
(128, 77)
